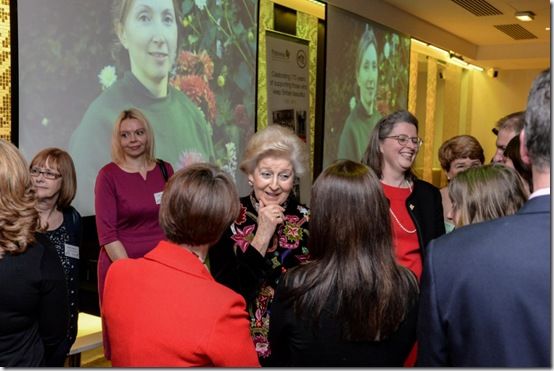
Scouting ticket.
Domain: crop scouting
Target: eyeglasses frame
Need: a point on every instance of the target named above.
(418, 141)
(47, 174)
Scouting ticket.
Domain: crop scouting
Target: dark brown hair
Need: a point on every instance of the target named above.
(373, 156)
(524, 170)
(353, 260)
(198, 204)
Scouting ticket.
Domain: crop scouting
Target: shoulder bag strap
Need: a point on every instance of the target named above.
(163, 169)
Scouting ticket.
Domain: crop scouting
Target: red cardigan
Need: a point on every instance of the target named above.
(166, 310)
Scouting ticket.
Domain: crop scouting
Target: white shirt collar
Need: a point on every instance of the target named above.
(540, 192)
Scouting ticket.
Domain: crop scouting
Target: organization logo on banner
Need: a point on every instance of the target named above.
(280, 55)
(301, 58)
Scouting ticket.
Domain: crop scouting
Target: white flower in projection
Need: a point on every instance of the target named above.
(188, 158)
(107, 77)
(230, 165)
(352, 103)
(386, 50)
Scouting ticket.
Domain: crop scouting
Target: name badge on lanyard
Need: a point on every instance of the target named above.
(71, 251)
(158, 197)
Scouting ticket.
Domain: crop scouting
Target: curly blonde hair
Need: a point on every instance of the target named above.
(18, 217)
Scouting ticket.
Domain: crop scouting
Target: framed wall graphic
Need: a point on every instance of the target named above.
(75, 73)
(366, 78)
(288, 94)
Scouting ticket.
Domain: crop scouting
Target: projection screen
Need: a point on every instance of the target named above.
(366, 78)
(76, 73)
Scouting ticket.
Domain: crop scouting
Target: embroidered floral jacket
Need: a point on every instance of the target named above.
(238, 265)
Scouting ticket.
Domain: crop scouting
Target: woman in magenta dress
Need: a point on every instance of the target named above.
(128, 193)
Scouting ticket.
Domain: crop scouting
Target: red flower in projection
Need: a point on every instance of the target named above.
(190, 63)
(193, 73)
(198, 90)
(187, 61)
(207, 63)
(241, 117)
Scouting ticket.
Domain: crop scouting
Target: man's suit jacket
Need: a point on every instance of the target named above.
(166, 310)
(485, 298)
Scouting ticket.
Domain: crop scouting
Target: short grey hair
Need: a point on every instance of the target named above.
(275, 140)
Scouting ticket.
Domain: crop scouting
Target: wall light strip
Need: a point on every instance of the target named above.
(449, 56)
(438, 49)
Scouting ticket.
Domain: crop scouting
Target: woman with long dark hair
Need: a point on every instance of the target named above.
(352, 304)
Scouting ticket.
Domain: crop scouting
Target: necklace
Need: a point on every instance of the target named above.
(410, 231)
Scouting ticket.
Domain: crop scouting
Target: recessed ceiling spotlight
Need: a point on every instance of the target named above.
(525, 16)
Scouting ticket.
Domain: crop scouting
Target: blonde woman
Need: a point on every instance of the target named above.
(128, 193)
(485, 193)
(33, 310)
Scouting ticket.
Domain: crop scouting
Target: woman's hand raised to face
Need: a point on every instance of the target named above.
(269, 216)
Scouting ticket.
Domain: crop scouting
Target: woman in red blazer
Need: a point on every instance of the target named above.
(166, 309)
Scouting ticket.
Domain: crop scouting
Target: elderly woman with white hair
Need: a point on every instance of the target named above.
(271, 233)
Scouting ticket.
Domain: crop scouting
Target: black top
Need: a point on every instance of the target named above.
(33, 306)
(424, 205)
(67, 240)
(299, 342)
(238, 265)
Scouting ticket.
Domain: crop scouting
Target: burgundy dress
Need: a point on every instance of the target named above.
(127, 208)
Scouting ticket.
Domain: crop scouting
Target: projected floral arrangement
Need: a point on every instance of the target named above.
(217, 32)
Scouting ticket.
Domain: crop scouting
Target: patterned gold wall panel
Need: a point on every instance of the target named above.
(306, 28)
(412, 84)
(452, 97)
(428, 148)
(5, 71)
(265, 23)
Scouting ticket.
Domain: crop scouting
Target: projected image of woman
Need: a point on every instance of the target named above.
(364, 115)
(147, 36)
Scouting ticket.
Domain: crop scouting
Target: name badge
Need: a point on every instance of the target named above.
(71, 251)
(158, 197)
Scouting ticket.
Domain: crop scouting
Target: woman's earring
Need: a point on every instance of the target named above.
(250, 183)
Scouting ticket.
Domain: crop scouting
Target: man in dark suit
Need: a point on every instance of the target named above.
(485, 296)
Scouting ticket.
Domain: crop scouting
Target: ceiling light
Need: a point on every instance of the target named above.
(525, 16)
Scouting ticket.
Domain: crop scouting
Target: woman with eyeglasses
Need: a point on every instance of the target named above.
(415, 205)
(127, 197)
(54, 181)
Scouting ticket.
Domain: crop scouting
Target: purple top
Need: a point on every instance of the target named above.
(127, 208)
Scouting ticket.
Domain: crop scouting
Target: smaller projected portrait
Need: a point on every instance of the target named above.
(367, 78)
